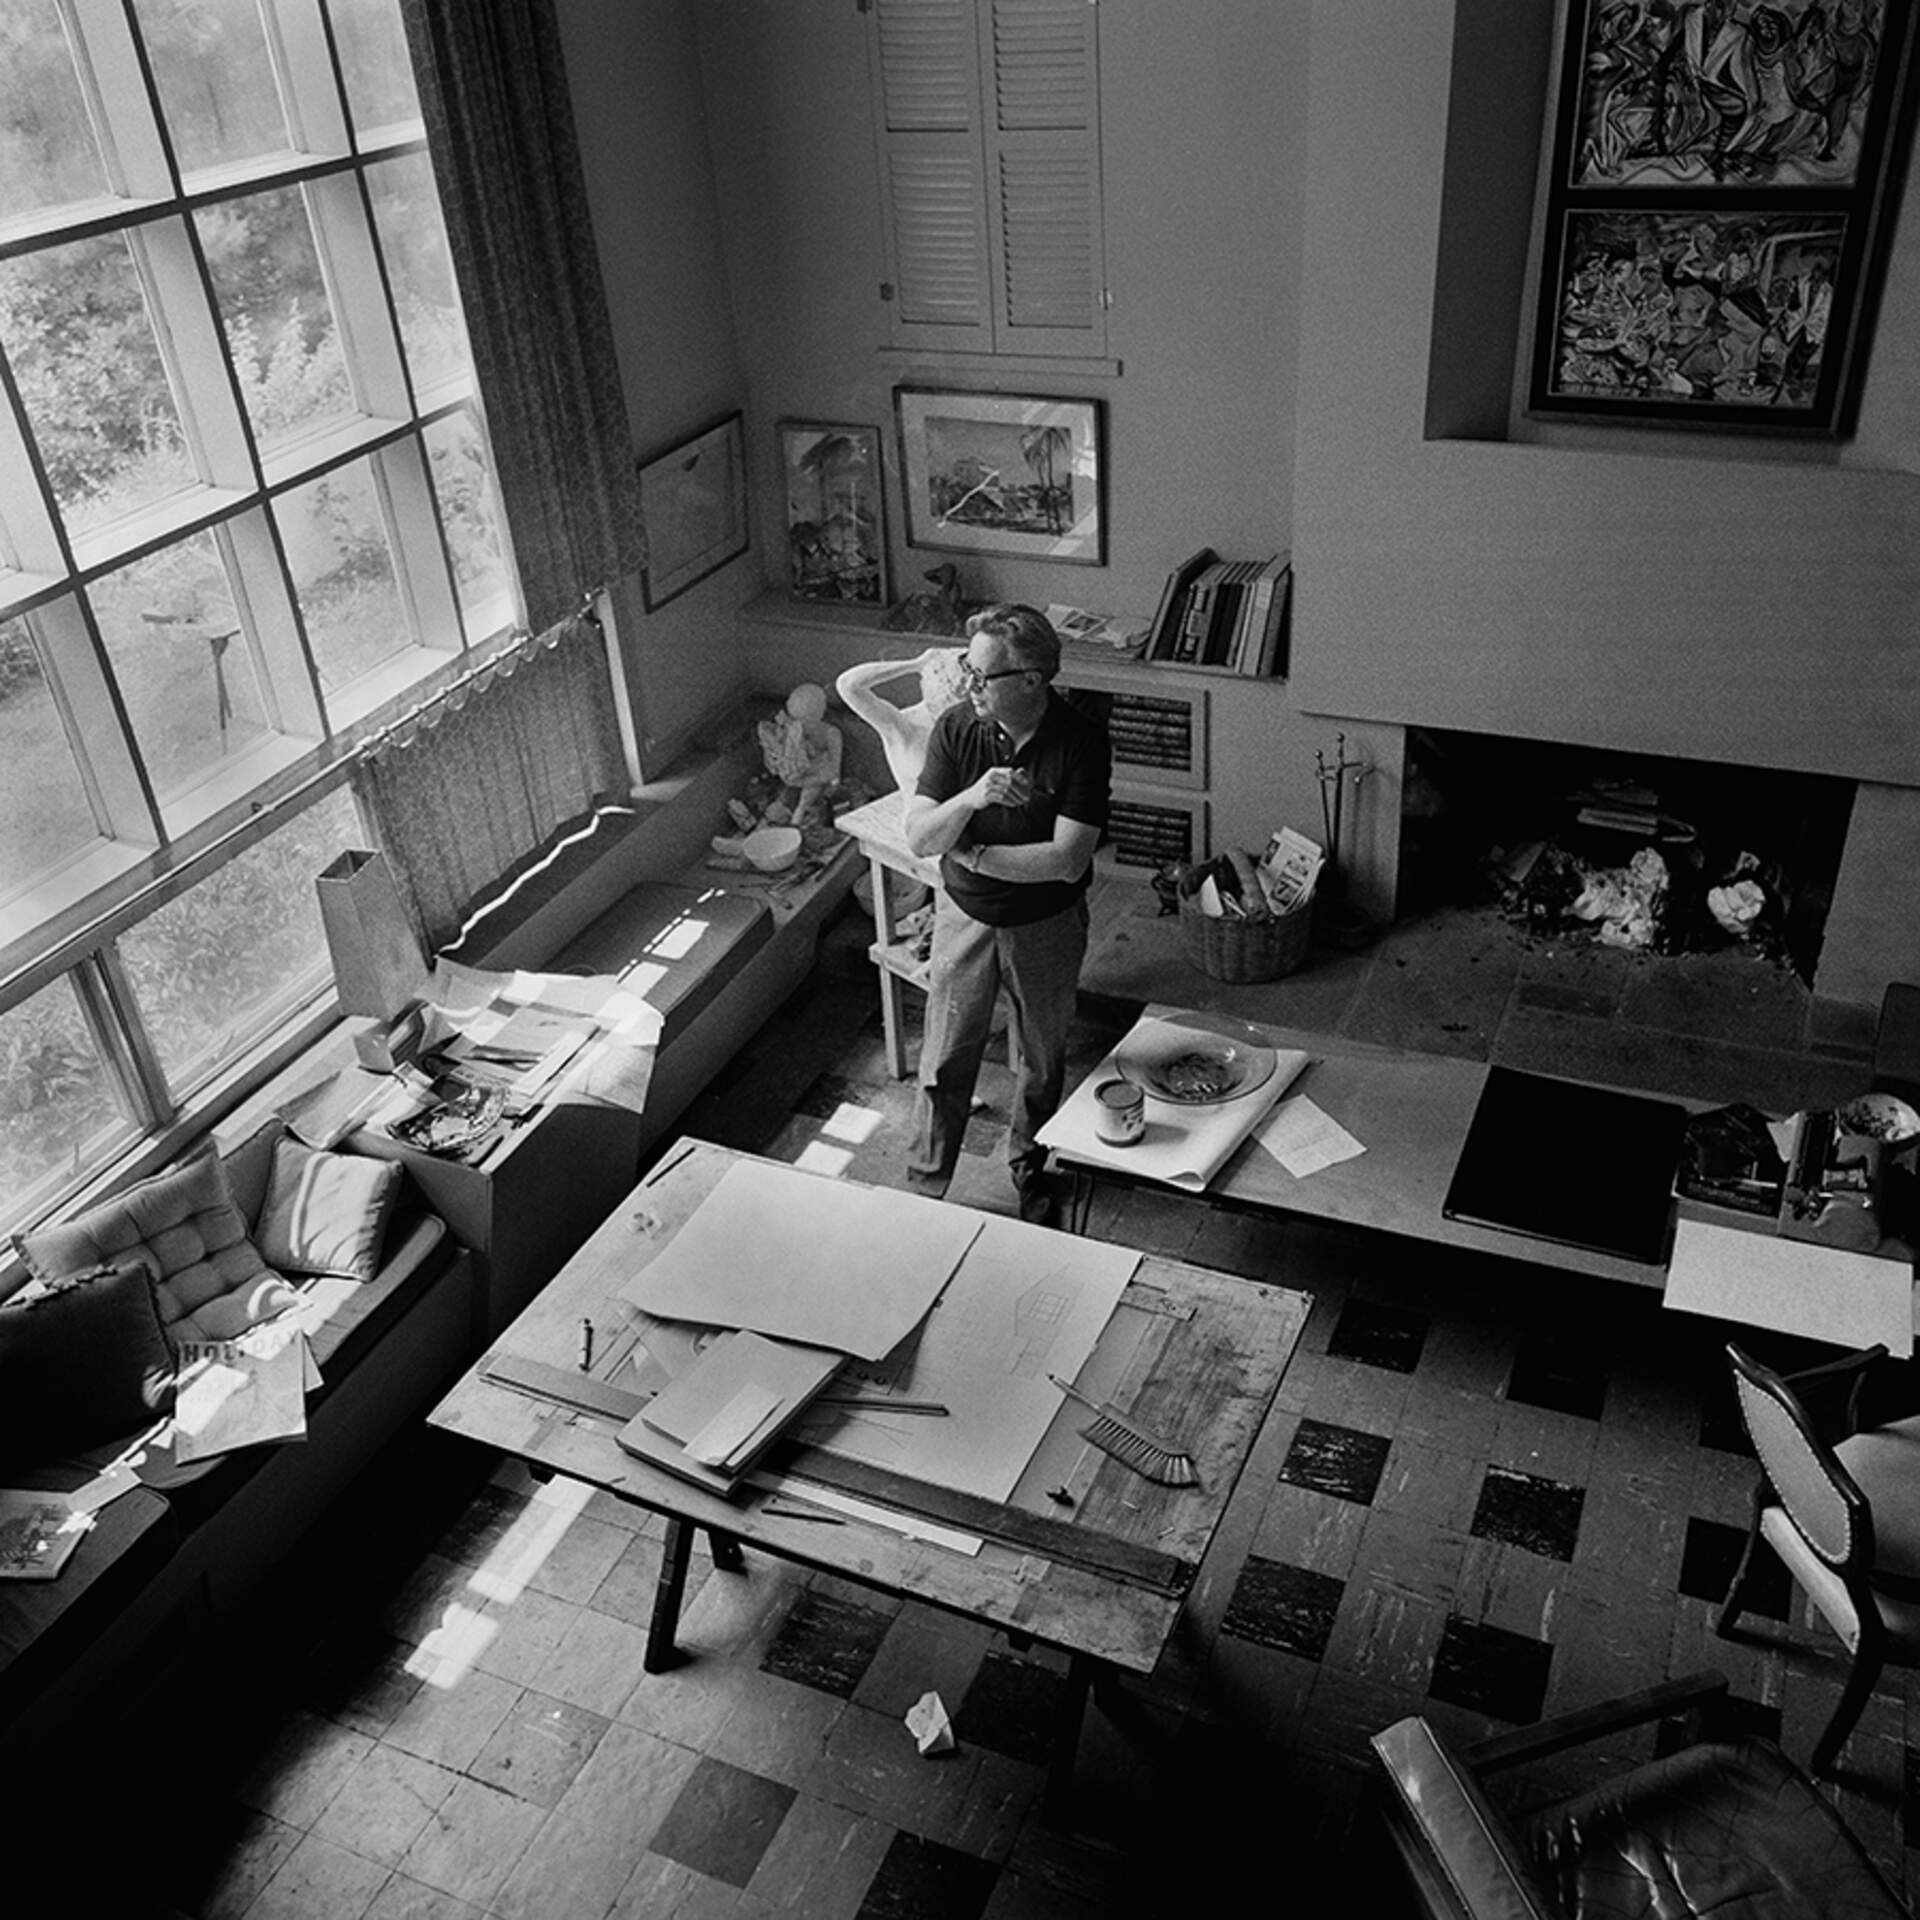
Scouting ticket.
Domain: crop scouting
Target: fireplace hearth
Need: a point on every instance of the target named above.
(1658, 856)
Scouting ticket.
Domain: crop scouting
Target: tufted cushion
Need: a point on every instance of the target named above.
(327, 1212)
(209, 1281)
(83, 1361)
(1885, 1465)
(1718, 1830)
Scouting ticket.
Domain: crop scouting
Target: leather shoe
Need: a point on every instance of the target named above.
(1039, 1204)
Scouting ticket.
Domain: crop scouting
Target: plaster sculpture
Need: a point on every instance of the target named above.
(904, 731)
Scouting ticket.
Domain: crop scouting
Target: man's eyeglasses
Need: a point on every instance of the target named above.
(975, 679)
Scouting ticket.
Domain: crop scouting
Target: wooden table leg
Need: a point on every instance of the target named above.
(675, 1552)
(1079, 1208)
(1057, 1796)
(892, 991)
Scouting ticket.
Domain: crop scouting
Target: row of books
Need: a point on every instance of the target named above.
(1227, 615)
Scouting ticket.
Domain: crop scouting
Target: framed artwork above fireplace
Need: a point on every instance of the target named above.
(1718, 204)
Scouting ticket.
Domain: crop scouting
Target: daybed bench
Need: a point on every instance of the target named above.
(174, 1558)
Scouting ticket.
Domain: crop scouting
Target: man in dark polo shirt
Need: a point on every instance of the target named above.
(1012, 798)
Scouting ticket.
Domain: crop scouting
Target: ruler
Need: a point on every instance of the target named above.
(1036, 1533)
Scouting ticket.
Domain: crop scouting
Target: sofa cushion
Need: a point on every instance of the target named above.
(83, 1360)
(326, 1212)
(209, 1281)
(1721, 1829)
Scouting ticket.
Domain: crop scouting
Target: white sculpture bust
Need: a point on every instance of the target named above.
(904, 731)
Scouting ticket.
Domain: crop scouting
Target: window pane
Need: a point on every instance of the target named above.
(75, 326)
(469, 505)
(42, 801)
(215, 80)
(336, 544)
(286, 346)
(183, 666)
(406, 215)
(47, 151)
(59, 1115)
(219, 966)
(374, 58)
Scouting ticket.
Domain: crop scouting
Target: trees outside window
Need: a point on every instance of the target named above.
(246, 507)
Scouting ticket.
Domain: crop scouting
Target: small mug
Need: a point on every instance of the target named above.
(1119, 1112)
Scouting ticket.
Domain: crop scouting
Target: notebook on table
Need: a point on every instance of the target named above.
(1582, 1166)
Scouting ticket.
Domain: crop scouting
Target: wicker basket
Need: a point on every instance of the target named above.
(1236, 950)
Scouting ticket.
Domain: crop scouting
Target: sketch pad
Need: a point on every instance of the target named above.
(802, 1257)
(1583, 1166)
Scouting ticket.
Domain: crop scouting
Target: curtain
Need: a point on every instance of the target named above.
(499, 121)
(484, 780)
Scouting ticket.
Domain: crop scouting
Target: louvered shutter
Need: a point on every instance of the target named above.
(989, 142)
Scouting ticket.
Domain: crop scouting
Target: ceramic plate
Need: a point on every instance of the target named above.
(1190, 1069)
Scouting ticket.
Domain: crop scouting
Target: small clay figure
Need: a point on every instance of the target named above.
(801, 750)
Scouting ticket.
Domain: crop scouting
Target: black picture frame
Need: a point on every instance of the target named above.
(1718, 206)
(1023, 475)
(693, 500)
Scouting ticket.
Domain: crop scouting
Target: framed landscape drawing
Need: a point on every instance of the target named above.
(1718, 210)
(693, 498)
(836, 525)
(1004, 473)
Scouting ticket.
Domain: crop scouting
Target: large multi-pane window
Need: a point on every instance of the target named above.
(246, 508)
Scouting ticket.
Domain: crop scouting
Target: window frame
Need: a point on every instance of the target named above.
(149, 847)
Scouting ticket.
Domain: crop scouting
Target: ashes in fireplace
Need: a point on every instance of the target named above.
(1655, 855)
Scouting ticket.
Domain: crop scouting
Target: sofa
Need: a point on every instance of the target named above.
(201, 1250)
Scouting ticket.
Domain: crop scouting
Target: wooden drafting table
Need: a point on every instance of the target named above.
(876, 827)
(1103, 1580)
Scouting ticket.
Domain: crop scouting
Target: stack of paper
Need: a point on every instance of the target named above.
(237, 1393)
(1184, 1146)
(740, 1393)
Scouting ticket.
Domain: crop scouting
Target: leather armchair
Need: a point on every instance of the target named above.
(1714, 1828)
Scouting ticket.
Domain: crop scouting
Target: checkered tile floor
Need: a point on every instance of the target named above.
(1485, 1492)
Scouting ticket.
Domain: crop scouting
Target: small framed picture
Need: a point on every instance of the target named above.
(694, 500)
(1004, 473)
(836, 526)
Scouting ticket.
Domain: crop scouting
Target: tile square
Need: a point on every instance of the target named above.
(923, 1880)
(1379, 1336)
(826, 1642)
(1710, 1559)
(1523, 1510)
(488, 1517)
(1012, 1706)
(1341, 1461)
(1490, 1670)
(1290, 1608)
(723, 1820)
(1556, 1372)
(1720, 1424)
(829, 1092)
(540, 1747)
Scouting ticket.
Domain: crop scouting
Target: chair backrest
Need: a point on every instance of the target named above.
(1817, 1493)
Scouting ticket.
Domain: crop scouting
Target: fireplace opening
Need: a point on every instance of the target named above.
(1655, 855)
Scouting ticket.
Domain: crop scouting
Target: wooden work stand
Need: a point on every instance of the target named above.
(1103, 1578)
(876, 827)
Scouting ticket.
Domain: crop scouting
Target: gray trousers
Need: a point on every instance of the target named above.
(1039, 965)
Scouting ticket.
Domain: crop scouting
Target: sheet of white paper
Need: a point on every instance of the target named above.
(803, 1258)
(1304, 1139)
(1761, 1280)
(1182, 1146)
(1025, 1303)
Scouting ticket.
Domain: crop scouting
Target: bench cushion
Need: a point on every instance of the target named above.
(683, 943)
(185, 1227)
